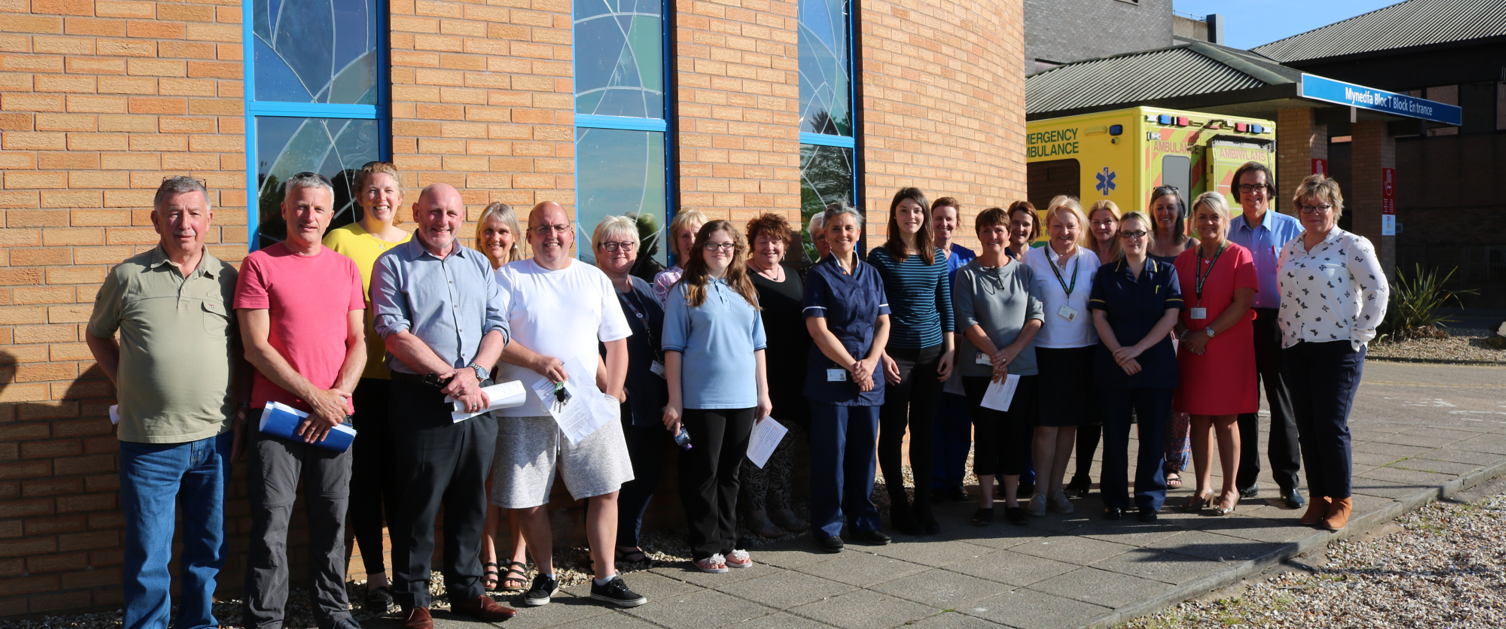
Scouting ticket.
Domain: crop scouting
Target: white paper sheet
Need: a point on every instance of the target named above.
(587, 407)
(505, 395)
(999, 395)
(766, 436)
(114, 414)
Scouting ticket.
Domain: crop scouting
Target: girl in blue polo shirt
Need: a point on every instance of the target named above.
(714, 363)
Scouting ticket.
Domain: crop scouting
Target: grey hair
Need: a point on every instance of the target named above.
(311, 180)
(838, 208)
(179, 185)
(614, 226)
(817, 220)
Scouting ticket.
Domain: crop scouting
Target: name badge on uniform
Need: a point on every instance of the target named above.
(657, 368)
(836, 375)
(983, 359)
(1198, 313)
(1067, 312)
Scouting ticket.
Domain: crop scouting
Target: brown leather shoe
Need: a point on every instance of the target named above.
(1338, 514)
(1317, 509)
(418, 618)
(484, 608)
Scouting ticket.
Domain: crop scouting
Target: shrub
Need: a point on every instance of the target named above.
(1412, 312)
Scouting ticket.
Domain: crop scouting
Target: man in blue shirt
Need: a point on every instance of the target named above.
(1264, 232)
(440, 313)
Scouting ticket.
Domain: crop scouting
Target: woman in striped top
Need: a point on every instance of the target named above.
(918, 357)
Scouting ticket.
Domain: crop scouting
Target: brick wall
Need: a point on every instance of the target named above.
(1372, 149)
(943, 105)
(737, 105)
(1300, 139)
(98, 101)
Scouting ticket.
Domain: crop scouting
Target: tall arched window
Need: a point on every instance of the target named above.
(314, 101)
(827, 139)
(621, 127)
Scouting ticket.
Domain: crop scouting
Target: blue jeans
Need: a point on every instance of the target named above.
(954, 438)
(154, 478)
(843, 459)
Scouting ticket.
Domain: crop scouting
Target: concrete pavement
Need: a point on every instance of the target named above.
(1420, 432)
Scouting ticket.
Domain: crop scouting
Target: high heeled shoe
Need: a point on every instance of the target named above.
(1219, 510)
(1196, 503)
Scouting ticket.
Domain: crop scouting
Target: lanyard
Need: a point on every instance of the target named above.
(1201, 276)
(1059, 279)
(629, 299)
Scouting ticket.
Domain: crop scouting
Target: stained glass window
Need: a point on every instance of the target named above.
(621, 132)
(827, 145)
(314, 100)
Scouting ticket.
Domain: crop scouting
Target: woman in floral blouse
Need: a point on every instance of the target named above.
(1333, 295)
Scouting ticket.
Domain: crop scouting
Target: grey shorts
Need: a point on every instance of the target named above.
(529, 449)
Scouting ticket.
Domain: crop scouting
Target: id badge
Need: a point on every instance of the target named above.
(836, 375)
(1067, 313)
(1198, 313)
(657, 368)
(983, 359)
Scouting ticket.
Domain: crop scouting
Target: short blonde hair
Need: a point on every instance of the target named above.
(614, 226)
(503, 213)
(682, 221)
(1214, 201)
(1319, 188)
(1068, 204)
(1145, 223)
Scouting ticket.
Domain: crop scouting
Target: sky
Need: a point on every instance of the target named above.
(1251, 23)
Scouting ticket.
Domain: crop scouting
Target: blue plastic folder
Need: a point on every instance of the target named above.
(281, 420)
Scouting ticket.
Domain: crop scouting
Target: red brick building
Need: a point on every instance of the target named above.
(732, 107)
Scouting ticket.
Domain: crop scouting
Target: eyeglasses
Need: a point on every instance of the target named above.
(1134, 235)
(728, 247)
(309, 173)
(1252, 187)
(614, 247)
(544, 230)
(1315, 209)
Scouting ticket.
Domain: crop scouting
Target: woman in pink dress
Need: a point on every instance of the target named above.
(1217, 358)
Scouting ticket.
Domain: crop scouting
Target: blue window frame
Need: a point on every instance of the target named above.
(316, 95)
(828, 146)
(623, 149)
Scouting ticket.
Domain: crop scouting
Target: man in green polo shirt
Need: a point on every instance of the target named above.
(179, 380)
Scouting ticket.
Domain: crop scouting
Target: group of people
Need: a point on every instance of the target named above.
(1118, 319)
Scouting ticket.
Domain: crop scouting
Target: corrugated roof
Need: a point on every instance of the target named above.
(1137, 77)
(1403, 25)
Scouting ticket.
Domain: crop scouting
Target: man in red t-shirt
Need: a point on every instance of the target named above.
(301, 317)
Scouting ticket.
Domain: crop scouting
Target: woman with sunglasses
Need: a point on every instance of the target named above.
(1135, 303)
(372, 492)
(1168, 210)
(718, 387)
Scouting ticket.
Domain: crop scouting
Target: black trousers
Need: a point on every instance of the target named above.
(913, 403)
(1325, 377)
(1283, 449)
(645, 446)
(372, 494)
(709, 479)
(1120, 409)
(1001, 440)
(437, 461)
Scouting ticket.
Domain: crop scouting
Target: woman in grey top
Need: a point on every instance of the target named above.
(998, 311)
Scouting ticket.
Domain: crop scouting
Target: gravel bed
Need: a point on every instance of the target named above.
(1445, 568)
(1463, 344)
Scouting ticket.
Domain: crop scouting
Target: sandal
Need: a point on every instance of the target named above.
(1173, 481)
(715, 564)
(739, 559)
(518, 583)
(489, 576)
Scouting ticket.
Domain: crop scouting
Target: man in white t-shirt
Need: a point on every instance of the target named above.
(558, 309)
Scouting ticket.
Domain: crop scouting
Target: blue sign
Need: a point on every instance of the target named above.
(1331, 91)
(1105, 181)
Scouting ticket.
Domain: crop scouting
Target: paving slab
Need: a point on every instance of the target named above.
(1419, 434)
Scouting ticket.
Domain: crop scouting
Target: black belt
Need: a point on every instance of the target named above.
(407, 378)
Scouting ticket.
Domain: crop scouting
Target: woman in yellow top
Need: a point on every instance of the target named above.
(372, 493)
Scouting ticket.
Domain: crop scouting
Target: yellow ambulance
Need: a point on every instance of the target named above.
(1122, 155)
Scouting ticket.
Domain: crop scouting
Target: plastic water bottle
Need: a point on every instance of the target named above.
(682, 439)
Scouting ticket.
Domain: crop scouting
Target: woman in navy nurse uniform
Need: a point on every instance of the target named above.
(848, 320)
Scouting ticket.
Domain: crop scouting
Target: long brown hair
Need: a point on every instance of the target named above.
(895, 245)
(696, 275)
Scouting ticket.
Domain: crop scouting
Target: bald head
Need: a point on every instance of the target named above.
(551, 233)
(438, 212)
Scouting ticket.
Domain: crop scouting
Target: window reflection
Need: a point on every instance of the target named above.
(315, 51)
(620, 173)
(825, 93)
(825, 178)
(619, 61)
(333, 147)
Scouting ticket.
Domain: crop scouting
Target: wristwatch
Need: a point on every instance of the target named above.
(1209, 330)
(481, 374)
